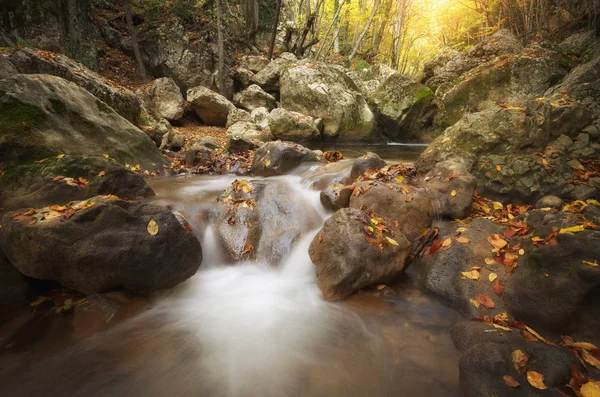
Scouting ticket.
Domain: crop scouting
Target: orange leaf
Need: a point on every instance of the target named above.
(536, 380)
(510, 381)
(101, 173)
(462, 240)
(520, 360)
(497, 241)
(247, 248)
(486, 301)
(498, 286)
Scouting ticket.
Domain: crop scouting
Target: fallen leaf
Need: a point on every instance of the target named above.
(572, 229)
(510, 381)
(474, 303)
(445, 140)
(247, 248)
(392, 241)
(492, 276)
(521, 252)
(58, 178)
(60, 156)
(453, 193)
(30, 212)
(38, 301)
(267, 163)
(534, 333)
(102, 173)
(490, 261)
(496, 241)
(87, 204)
(152, 227)
(462, 240)
(590, 389)
(585, 345)
(590, 359)
(498, 168)
(497, 205)
(106, 155)
(472, 275)
(536, 380)
(498, 286)
(520, 360)
(58, 208)
(486, 301)
(447, 242)
(592, 264)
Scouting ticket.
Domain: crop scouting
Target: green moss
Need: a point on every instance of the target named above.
(423, 93)
(13, 113)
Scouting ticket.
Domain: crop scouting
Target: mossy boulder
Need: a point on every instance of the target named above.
(57, 181)
(44, 115)
(404, 108)
(322, 91)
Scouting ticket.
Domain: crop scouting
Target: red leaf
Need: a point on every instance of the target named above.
(486, 301)
(498, 287)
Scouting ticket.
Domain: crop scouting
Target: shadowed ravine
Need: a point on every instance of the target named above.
(249, 330)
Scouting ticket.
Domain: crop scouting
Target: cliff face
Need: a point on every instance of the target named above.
(63, 26)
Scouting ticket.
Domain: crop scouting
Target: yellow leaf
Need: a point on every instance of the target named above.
(521, 252)
(380, 287)
(498, 168)
(590, 359)
(472, 275)
(490, 261)
(520, 360)
(60, 156)
(152, 227)
(590, 389)
(38, 301)
(462, 240)
(572, 229)
(447, 242)
(585, 345)
(267, 163)
(461, 229)
(540, 100)
(58, 208)
(87, 205)
(453, 193)
(445, 140)
(492, 276)
(536, 380)
(593, 202)
(474, 302)
(497, 205)
(30, 212)
(532, 331)
(106, 155)
(111, 197)
(399, 179)
(392, 241)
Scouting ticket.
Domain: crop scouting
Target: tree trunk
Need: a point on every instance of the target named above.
(251, 14)
(365, 30)
(134, 40)
(221, 45)
(275, 25)
(329, 30)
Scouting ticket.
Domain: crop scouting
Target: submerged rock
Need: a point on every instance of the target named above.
(279, 158)
(347, 258)
(101, 244)
(369, 162)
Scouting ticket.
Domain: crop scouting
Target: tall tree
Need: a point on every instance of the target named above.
(275, 25)
(251, 15)
(134, 39)
(365, 30)
(221, 45)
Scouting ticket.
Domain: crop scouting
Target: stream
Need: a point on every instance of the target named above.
(242, 330)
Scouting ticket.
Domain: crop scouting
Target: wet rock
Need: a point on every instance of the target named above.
(43, 115)
(336, 196)
(163, 99)
(254, 63)
(345, 261)
(262, 220)
(34, 185)
(198, 154)
(15, 289)
(211, 107)
(237, 115)
(292, 126)
(550, 202)
(268, 77)
(254, 97)
(452, 186)
(104, 246)
(6, 67)
(403, 108)
(406, 209)
(279, 158)
(322, 91)
(123, 101)
(369, 162)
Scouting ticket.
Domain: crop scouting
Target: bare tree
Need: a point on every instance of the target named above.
(275, 25)
(221, 45)
(365, 30)
(134, 40)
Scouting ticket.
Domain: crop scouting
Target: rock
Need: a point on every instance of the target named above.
(336, 196)
(108, 245)
(279, 158)
(452, 186)
(255, 63)
(345, 261)
(15, 289)
(369, 162)
(260, 118)
(6, 67)
(292, 126)
(242, 78)
(409, 208)
(198, 154)
(268, 77)
(584, 45)
(166, 137)
(262, 220)
(550, 202)
(210, 142)
(239, 144)
(168, 51)
(123, 101)
(43, 115)
(53, 25)
(324, 92)
(163, 99)
(403, 108)
(440, 273)
(237, 115)
(254, 97)
(243, 136)
(357, 81)
(211, 107)
(500, 43)
(33, 185)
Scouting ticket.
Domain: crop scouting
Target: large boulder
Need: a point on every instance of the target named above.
(101, 244)
(355, 249)
(254, 97)
(246, 135)
(369, 162)
(336, 196)
(15, 288)
(163, 99)
(406, 209)
(254, 63)
(262, 220)
(58, 181)
(324, 92)
(404, 108)
(6, 67)
(211, 107)
(279, 158)
(585, 45)
(269, 76)
(452, 187)
(293, 126)
(123, 101)
(54, 25)
(43, 115)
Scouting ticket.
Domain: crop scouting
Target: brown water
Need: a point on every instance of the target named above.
(237, 331)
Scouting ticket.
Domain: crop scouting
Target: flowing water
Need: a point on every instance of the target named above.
(242, 330)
